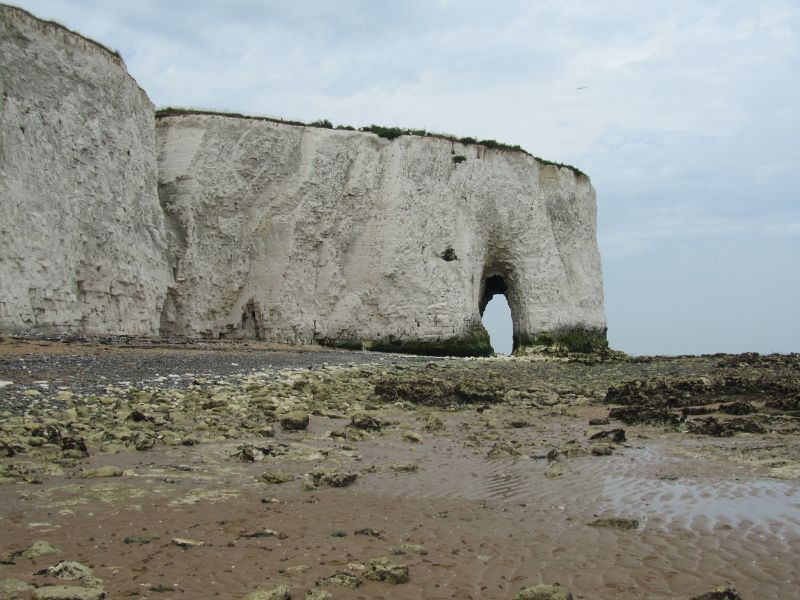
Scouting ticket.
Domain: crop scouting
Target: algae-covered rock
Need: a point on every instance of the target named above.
(617, 435)
(342, 579)
(554, 470)
(383, 569)
(502, 450)
(544, 592)
(14, 589)
(276, 476)
(369, 532)
(721, 593)
(74, 446)
(615, 522)
(717, 428)
(410, 549)
(71, 571)
(101, 472)
(324, 476)
(295, 421)
(365, 422)
(279, 593)
(433, 423)
(602, 449)
(39, 548)
(250, 453)
(317, 594)
(68, 592)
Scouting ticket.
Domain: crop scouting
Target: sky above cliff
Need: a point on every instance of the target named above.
(686, 115)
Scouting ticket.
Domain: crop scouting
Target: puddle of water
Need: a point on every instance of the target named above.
(706, 503)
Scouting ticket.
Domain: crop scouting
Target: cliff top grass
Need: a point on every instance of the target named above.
(389, 133)
(63, 28)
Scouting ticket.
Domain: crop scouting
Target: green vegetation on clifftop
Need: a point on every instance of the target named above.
(389, 133)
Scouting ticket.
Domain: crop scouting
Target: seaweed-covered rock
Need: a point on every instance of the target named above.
(101, 472)
(691, 411)
(71, 570)
(502, 449)
(279, 593)
(721, 593)
(427, 390)
(718, 428)
(276, 476)
(383, 569)
(341, 579)
(433, 423)
(295, 421)
(364, 422)
(68, 592)
(616, 436)
(737, 408)
(784, 404)
(74, 446)
(327, 477)
(602, 449)
(37, 549)
(14, 589)
(554, 470)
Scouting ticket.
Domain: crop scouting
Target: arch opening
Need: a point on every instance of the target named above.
(496, 314)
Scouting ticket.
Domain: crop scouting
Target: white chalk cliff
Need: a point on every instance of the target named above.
(268, 230)
(82, 238)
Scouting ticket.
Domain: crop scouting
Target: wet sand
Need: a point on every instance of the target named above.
(477, 500)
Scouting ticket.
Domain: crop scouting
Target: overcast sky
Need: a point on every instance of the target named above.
(686, 115)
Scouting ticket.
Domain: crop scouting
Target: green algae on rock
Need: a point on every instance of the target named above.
(616, 523)
(68, 592)
(101, 472)
(328, 477)
(279, 593)
(276, 476)
(383, 569)
(37, 549)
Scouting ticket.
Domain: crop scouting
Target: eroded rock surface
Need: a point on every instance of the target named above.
(83, 244)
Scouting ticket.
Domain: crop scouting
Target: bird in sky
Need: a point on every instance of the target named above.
(583, 87)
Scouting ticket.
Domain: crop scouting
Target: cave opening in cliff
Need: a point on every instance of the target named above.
(496, 314)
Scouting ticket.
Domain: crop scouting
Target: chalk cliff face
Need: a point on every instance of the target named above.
(294, 233)
(82, 238)
(115, 221)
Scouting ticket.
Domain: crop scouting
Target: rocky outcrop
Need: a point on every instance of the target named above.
(115, 221)
(296, 234)
(82, 238)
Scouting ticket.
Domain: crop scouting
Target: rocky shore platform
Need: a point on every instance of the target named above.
(175, 469)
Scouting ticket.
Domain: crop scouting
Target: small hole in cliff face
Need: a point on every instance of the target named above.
(449, 255)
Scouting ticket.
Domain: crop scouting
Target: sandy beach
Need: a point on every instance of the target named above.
(382, 476)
